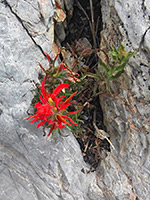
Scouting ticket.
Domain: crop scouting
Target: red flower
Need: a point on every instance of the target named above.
(51, 109)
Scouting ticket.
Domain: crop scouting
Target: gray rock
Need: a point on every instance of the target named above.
(36, 169)
(37, 19)
(32, 167)
(126, 170)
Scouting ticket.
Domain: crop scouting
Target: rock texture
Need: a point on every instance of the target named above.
(126, 172)
(64, 12)
(32, 168)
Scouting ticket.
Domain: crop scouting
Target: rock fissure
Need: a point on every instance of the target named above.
(22, 23)
(23, 144)
(142, 40)
(15, 184)
(85, 26)
(143, 8)
(129, 130)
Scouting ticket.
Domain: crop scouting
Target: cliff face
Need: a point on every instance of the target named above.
(127, 115)
(35, 169)
(32, 168)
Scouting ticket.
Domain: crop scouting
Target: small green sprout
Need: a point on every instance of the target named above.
(114, 68)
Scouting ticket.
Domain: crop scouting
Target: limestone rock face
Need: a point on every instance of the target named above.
(126, 170)
(32, 168)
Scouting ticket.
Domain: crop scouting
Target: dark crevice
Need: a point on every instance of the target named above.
(142, 40)
(21, 22)
(143, 8)
(4, 2)
(78, 27)
(1, 111)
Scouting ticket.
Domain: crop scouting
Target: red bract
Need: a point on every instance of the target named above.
(61, 72)
(69, 73)
(49, 57)
(51, 109)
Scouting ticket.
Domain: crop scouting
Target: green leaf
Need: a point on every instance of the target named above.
(111, 71)
(121, 48)
(67, 93)
(116, 76)
(59, 132)
(79, 120)
(107, 85)
(119, 68)
(92, 75)
(115, 49)
(53, 137)
(128, 56)
(104, 66)
(113, 53)
(70, 128)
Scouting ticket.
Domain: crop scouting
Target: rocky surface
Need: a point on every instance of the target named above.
(35, 169)
(127, 115)
(32, 168)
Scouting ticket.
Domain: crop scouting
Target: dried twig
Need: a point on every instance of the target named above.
(101, 134)
(81, 8)
(93, 24)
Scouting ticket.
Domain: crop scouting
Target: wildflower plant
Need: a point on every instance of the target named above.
(54, 107)
(112, 67)
(68, 96)
(116, 64)
(52, 110)
(56, 74)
